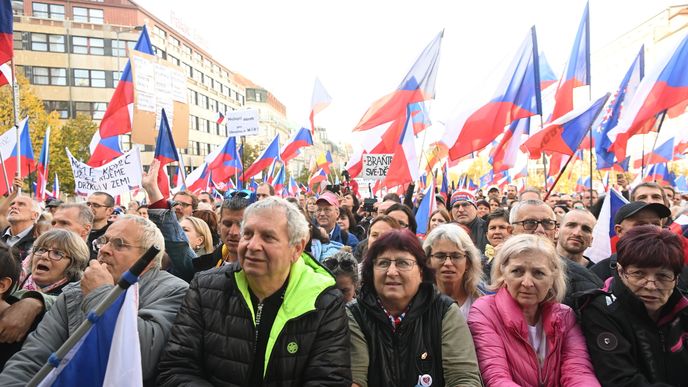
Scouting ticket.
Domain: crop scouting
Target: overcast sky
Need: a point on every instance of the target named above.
(361, 50)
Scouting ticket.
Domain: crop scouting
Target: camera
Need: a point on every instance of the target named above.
(332, 188)
(369, 204)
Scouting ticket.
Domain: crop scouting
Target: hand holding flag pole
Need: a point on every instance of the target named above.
(127, 279)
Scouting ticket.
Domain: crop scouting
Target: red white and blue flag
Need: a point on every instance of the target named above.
(302, 138)
(119, 113)
(664, 87)
(225, 162)
(263, 161)
(661, 154)
(109, 354)
(103, 150)
(418, 85)
(6, 42)
(165, 152)
(319, 101)
(56, 187)
(604, 237)
(518, 96)
(13, 159)
(404, 166)
(425, 208)
(318, 177)
(42, 168)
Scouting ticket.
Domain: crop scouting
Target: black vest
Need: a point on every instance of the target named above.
(398, 358)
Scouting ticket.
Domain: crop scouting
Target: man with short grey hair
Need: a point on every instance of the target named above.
(22, 216)
(75, 217)
(273, 318)
(536, 217)
(159, 297)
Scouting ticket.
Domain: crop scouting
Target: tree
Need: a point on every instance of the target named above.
(29, 106)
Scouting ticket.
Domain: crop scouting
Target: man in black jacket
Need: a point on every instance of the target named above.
(465, 211)
(536, 217)
(275, 318)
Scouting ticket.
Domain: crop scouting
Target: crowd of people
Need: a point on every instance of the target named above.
(331, 289)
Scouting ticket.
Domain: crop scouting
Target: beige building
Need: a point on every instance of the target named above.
(72, 52)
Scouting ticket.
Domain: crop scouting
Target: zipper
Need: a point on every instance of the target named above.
(541, 382)
(259, 313)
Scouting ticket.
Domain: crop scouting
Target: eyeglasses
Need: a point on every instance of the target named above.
(96, 205)
(53, 254)
(462, 204)
(326, 210)
(184, 205)
(442, 257)
(531, 224)
(117, 243)
(400, 264)
(640, 278)
(346, 264)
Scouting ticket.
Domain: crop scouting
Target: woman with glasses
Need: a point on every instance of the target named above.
(457, 264)
(58, 257)
(523, 334)
(636, 327)
(404, 215)
(345, 269)
(403, 332)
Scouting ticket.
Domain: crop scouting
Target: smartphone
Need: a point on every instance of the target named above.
(369, 204)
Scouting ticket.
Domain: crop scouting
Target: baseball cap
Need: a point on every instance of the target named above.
(329, 198)
(632, 208)
(462, 196)
(53, 203)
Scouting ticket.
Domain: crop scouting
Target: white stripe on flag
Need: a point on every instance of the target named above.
(124, 362)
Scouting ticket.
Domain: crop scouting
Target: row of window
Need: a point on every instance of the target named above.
(59, 76)
(57, 12)
(95, 110)
(35, 41)
(212, 84)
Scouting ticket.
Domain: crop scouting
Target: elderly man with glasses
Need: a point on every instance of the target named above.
(327, 215)
(102, 204)
(536, 217)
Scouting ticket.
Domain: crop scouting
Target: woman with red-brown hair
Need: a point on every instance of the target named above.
(636, 327)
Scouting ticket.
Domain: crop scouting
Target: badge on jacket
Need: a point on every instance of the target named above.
(424, 380)
(607, 341)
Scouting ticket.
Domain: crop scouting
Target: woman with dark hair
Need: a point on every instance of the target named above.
(211, 219)
(636, 327)
(494, 204)
(350, 201)
(403, 215)
(403, 332)
(320, 246)
(483, 208)
(347, 222)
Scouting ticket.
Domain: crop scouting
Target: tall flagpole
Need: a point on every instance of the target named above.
(15, 102)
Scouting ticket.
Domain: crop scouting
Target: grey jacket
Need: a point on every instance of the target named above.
(160, 295)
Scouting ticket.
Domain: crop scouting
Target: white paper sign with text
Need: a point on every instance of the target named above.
(375, 166)
(242, 123)
(117, 177)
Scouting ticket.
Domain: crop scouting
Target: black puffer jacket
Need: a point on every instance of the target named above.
(212, 341)
(627, 347)
(578, 279)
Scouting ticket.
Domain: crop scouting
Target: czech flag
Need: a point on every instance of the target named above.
(404, 166)
(444, 188)
(56, 187)
(226, 162)
(220, 118)
(565, 134)
(417, 86)
(518, 96)
(293, 187)
(504, 154)
(180, 177)
(425, 208)
(319, 101)
(577, 70)
(662, 154)
(419, 116)
(278, 183)
(8, 151)
(119, 114)
(318, 176)
(264, 160)
(165, 152)
(301, 139)
(547, 75)
(199, 179)
(664, 87)
(625, 92)
(660, 174)
(42, 168)
(604, 237)
(6, 42)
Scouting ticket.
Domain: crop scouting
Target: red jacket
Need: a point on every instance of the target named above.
(506, 357)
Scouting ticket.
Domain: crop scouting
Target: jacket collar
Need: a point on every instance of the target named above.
(513, 317)
(418, 306)
(674, 305)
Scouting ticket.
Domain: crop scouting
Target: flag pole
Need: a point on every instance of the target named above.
(126, 280)
(4, 173)
(544, 159)
(654, 143)
(557, 179)
(15, 105)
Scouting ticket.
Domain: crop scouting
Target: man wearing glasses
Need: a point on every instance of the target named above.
(159, 296)
(465, 211)
(327, 215)
(101, 204)
(536, 217)
(184, 203)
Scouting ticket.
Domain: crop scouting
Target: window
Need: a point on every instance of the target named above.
(89, 78)
(116, 75)
(212, 105)
(86, 45)
(193, 122)
(95, 110)
(48, 11)
(119, 47)
(159, 52)
(188, 70)
(198, 76)
(174, 60)
(217, 128)
(202, 101)
(193, 96)
(159, 32)
(18, 40)
(203, 125)
(197, 57)
(45, 42)
(88, 15)
(174, 41)
(61, 107)
(208, 81)
(49, 76)
(187, 50)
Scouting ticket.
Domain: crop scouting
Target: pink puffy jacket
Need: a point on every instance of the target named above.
(506, 357)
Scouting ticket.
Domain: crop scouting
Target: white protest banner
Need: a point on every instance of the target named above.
(375, 166)
(242, 123)
(117, 177)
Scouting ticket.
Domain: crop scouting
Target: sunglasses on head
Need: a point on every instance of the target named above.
(346, 265)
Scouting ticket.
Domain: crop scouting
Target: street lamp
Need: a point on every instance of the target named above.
(135, 28)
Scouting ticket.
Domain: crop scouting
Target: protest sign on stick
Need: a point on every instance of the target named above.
(117, 177)
(375, 166)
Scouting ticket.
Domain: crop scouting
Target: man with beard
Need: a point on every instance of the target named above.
(575, 235)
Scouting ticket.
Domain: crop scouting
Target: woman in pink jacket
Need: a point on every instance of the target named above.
(523, 336)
